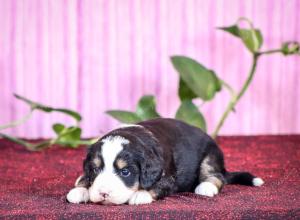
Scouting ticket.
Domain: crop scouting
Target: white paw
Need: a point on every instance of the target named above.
(78, 195)
(257, 181)
(206, 189)
(140, 197)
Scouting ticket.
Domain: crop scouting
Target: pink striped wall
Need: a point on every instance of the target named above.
(97, 55)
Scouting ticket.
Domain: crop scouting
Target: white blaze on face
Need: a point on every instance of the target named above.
(108, 181)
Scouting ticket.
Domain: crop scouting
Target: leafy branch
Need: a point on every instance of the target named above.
(65, 136)
(196, 81)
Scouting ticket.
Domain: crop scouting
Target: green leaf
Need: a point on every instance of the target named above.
(58, 128)
(124, 116)
(190, 114)
(251, 38)
(203, 82)
(69, 112)
(35, 105)
(234, 30)
(70, 136)
(146, 108)
(184, 92)
(71, 133)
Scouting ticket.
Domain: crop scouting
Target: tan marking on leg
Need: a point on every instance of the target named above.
(153, 194)
(216, 181)
(207, 173)
(206, 169)
(121, 163)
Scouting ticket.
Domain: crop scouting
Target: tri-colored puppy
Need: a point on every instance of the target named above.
(150, 160)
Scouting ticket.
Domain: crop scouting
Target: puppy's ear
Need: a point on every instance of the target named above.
(151, 169)
(82, 181)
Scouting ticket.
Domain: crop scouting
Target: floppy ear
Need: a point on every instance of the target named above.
(82, 181)
(151, 169)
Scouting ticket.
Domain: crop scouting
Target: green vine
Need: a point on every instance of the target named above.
(65, 136)
(196, 81)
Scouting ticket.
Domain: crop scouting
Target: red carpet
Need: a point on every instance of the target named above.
(34, 185)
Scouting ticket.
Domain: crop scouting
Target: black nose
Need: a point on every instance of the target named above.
(104, 195)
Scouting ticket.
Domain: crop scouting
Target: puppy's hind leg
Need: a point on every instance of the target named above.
(80, 193)
(211, 179)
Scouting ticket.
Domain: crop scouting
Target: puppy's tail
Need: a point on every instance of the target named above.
(243, 178)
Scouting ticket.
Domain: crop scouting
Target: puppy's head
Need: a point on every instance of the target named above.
(117, 166)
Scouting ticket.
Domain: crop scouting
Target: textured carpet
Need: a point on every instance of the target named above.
(34, 185)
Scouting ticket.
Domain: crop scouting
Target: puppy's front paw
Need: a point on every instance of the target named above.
(78, 195)
(206, 189)
(140, 197)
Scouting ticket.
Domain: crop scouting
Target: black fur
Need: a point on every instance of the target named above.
(243, 178)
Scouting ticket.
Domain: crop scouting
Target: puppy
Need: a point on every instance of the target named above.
(141, 163)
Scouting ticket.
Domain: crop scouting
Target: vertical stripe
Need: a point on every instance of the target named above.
(39, 52)
(106, 41)
(80, 53)
(282, 79)
(157, 69)
(269, 67)
(296, 64)
(50, 52)
(132, 57)
(12, 57)
(66, 50)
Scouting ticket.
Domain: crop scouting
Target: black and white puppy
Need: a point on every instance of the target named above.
(150, 160)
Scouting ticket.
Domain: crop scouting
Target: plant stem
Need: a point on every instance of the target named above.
(237, 97)
(227, 86)
(247, 20)
(270, 51)
(17, 122)
(15, 140)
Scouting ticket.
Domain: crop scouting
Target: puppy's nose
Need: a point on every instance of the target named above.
(104, 195)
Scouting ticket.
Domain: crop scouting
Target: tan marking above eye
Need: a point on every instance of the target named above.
(97, 161)
(121, 163)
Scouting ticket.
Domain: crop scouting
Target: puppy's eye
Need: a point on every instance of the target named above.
(125, 172)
